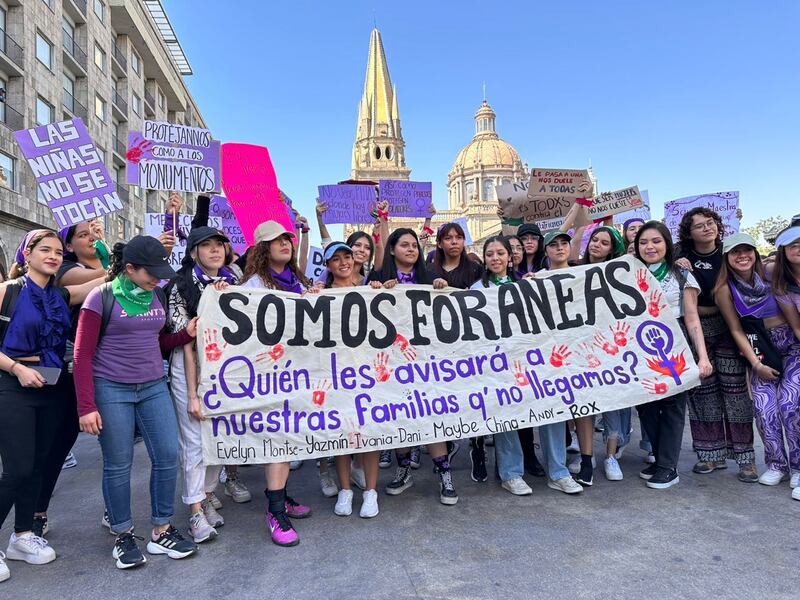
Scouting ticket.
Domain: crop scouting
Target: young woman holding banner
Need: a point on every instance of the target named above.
(605, 243)
(203, 265)
(766, 332)
(720, 410)
(664, 419)
(271, 264)
(554, 451)
(33, 407)
(120, 383)
(405, 265)
(507, 447)
(450, 260)
(340, 264)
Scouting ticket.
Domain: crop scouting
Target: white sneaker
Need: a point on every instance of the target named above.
(344, 503)
(237, 490)
(613, 472)
(4, 572)
(200, 529)
(795, 480)
(795, 495)
(369, 506)
(575, 466)
(215, 502)
(328, 485)
(517, 486)
(772, 477)
(212, 516)
(30, 548)
(358, 477)
(566, 484)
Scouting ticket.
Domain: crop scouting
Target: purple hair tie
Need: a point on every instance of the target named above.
(20, 257)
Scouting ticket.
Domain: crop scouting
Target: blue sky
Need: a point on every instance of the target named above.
(679, 98)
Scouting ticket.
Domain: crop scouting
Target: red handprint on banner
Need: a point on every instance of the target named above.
(273, 354)
(601, 342)
(322, 387)
(641, 280)
(559, 355)
(655, 387)
(620, 334)
(212, 349)
(520, 379)
(137, 152)
(382, 372)
(585, 351)
(405, 348)
(655, 306)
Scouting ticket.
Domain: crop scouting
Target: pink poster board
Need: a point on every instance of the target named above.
(251, 187)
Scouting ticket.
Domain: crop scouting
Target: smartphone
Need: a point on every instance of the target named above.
(50, 374)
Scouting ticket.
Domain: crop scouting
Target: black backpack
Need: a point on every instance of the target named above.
(109, 301)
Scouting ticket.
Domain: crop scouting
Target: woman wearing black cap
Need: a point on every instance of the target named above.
(120, 384)
(532, 248)
(203, 265)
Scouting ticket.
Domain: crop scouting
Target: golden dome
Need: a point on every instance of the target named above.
(486, 148)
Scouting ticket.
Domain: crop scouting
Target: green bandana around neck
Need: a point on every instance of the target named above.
(659, 271)
(497, 280)
(134, 300)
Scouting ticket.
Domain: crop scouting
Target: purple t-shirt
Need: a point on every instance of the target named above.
(128, 352)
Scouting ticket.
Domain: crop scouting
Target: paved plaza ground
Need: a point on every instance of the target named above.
(709, 537)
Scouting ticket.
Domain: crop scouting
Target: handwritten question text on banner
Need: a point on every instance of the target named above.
(285, 377)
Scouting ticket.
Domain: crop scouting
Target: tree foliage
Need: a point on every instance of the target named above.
(764, 232)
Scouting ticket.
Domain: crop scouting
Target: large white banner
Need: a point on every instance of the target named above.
(285, 377)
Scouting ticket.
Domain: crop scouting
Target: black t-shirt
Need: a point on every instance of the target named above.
(459, 278)
(705, 268)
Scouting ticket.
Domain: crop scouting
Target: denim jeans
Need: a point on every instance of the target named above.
(617, 424)
(508, 453)
(148, 406)
(554, 451)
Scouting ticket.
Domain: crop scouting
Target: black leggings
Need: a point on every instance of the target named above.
(30, 419)
(62, 443)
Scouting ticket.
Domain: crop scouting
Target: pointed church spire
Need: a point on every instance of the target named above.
(379, 146)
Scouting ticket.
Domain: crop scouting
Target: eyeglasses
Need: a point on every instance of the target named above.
(703, 226)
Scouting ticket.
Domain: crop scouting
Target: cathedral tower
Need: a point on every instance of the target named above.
(379, 149)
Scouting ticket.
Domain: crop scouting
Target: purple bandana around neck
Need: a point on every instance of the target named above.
(224, 275)
(287, 281)
(406, 277)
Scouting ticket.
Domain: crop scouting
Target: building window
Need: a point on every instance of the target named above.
(3, 88)
(99, 57)
(470, 186)
(136, 62)
(136, 104)
(44, 111)
(99, 9)
(488, 190)
(69, 93)
(161, 100)
(100, 108)
(44, 51)
(7, 171)
(49, 3)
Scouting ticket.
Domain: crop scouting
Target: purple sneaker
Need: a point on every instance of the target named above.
(296, 510)
(281, 529)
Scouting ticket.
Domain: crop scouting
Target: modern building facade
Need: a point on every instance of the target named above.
(113, 63)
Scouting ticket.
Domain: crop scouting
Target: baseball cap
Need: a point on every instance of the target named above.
(270, 230)
(529, 228)
(552, 235)
(788, 236)
(737, 239)
(333, 248)
(147, 252)
(198, 235)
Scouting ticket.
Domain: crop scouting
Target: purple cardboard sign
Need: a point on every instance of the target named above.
(70, 171)
(347, 203)
(406, 198)
(220, 208)
(165, 156)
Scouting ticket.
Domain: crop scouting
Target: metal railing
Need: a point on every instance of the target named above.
(148, 97)
(12, 118)
(12, 49)
(119, 56)
(119, 147)
(73, 106)
(119, 101)
(81, 5)
(75, 50)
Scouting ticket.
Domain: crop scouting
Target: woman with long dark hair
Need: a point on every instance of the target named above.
(404, 264)
(531, 238)
(720, 410)
(272, 264)
(767, 334)
(34, 403)
(450, 260)
(664, 419)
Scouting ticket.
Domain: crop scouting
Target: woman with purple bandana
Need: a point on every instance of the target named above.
(271, 264)
(767, 337)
